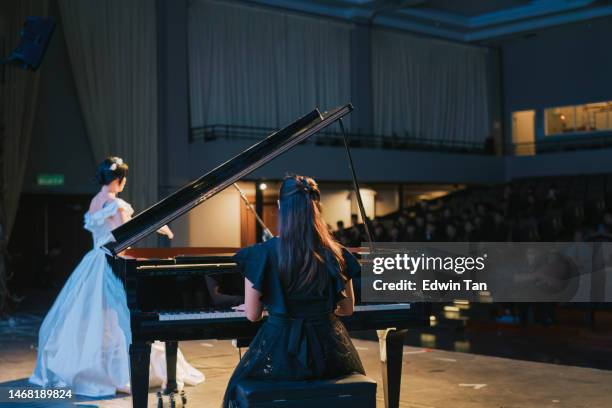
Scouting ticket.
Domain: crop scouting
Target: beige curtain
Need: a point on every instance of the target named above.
(257, 66)
(429, 89)
(112, 47)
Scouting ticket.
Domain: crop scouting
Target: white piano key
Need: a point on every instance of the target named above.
(166, 316)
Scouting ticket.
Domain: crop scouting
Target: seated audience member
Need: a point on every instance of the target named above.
(451, 233)
(420, 227)
(411, 234)
(394, 236)
(431, 232)
(340, 235)
(379, 233)
(499, 230)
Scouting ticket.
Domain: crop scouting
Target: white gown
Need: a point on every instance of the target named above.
(84, 340)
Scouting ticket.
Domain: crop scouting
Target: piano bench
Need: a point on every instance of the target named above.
(353, 391)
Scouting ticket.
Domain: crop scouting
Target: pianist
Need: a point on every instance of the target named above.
(304, 280)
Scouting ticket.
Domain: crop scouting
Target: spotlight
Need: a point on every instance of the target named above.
(263, 186)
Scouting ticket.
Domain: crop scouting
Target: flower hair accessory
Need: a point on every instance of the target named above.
(304, 185)
(118, 162)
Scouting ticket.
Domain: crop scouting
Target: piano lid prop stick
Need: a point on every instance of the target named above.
(267, 234)
(356, 185)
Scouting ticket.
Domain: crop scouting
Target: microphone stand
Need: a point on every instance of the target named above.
(267, 234)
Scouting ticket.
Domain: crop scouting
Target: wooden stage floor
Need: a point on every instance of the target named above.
(431, 378)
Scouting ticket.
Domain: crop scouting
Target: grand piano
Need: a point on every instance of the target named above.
(164, 286)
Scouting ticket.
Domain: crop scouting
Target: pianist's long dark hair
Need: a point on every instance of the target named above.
(305, 243)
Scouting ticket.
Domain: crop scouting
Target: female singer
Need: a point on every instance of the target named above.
(84, 339)
(303, 278)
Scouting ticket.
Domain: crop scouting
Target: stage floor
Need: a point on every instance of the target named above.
(430, 378)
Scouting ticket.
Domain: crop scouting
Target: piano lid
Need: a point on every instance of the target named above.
(219, 178)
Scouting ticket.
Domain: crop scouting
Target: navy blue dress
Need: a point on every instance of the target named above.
(301, 338)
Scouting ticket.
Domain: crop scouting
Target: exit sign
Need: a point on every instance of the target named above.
(50, 180)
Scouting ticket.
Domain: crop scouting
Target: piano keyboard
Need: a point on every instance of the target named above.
(171, 316)
(201, 315)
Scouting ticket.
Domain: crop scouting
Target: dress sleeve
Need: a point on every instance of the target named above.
(99, 217)
(125, 206)
(253, 260)
(352, 269)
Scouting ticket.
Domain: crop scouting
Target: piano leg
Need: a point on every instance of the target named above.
(171, 349)
(140, 354)
(391, 342)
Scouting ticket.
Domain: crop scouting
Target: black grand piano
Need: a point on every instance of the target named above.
(164, 285)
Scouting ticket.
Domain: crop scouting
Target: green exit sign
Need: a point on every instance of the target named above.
(50, 180)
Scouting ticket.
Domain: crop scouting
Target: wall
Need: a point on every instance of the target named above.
(371, 165)
(387, 200)
(554, 164)
(173, 99)
(565, 65)
(215, 223)
(59, 139)
(368, 199)
(336, 206)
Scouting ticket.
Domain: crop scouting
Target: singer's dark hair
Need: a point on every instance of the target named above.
(105, 174)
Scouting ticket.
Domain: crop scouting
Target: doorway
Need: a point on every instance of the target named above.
(523, 132)
(248, 223)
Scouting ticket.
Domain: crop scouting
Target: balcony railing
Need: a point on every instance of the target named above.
(550, 144)
(358, 140)
(566, 143)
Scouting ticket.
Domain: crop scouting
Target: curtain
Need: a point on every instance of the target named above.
(259, 67)
(19, 91)
(19, 98)
(112, 47)
(429, 89)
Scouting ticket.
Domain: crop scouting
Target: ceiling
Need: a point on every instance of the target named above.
(470, 8)
(470, 21)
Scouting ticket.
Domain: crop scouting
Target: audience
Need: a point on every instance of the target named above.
(522, 211)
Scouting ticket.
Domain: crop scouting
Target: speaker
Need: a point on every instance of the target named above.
(34, 39)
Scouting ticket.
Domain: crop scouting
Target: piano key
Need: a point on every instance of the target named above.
(382, 306)
(200, 316)
(167, 316)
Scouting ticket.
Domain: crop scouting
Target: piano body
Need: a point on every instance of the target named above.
(165, 287)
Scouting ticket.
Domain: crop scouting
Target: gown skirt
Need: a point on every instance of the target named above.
(84, 340)
(297, 348)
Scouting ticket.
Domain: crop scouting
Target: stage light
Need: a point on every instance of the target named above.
(428, 340)
(34, 37)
